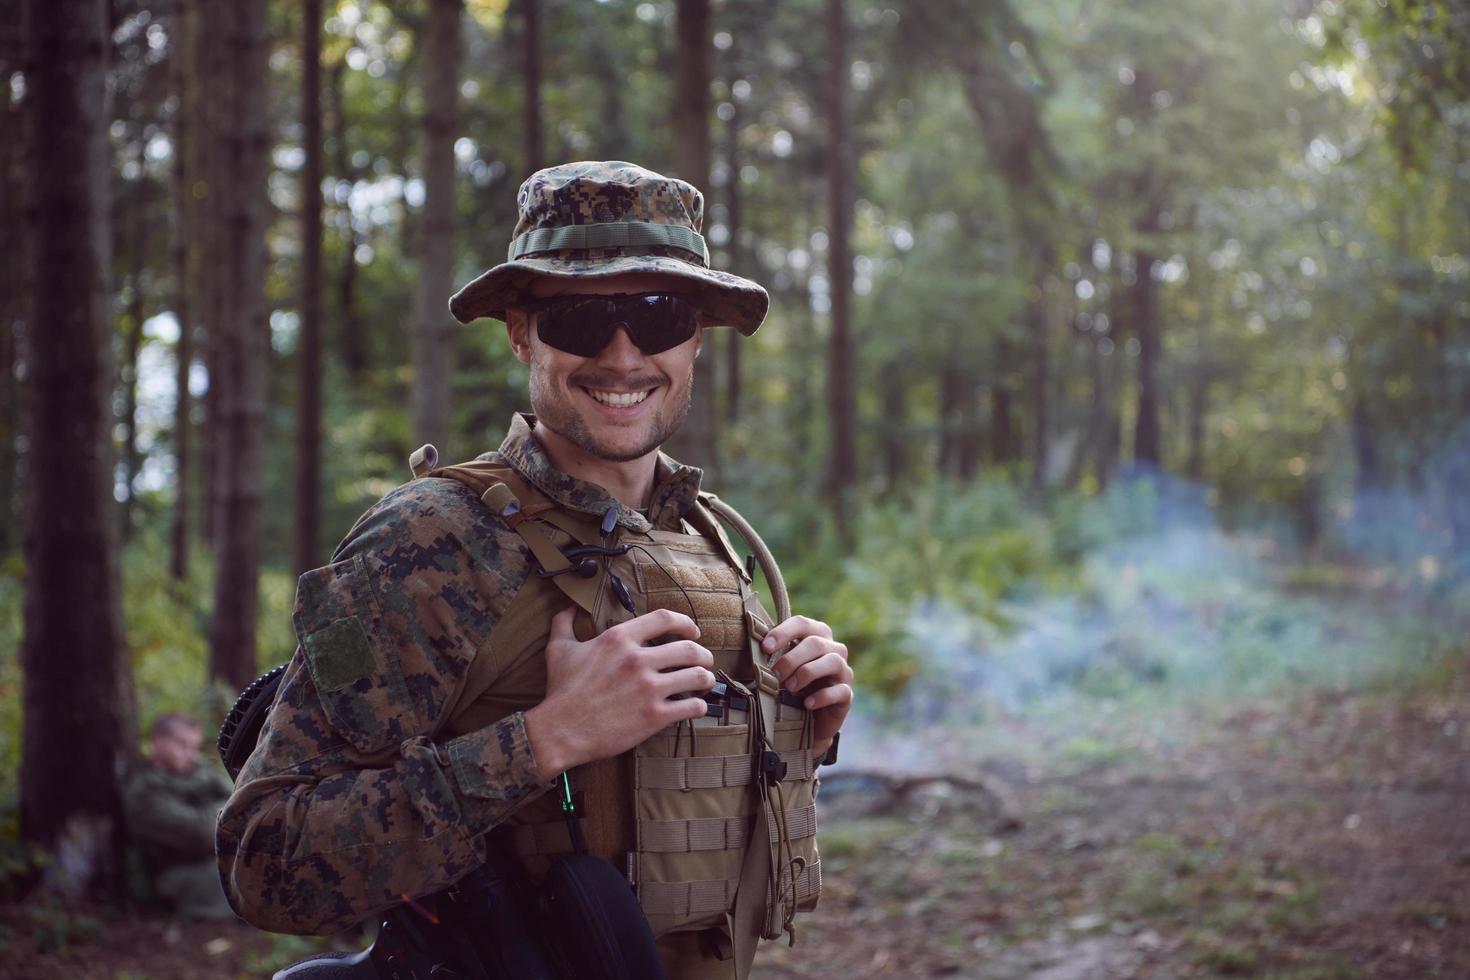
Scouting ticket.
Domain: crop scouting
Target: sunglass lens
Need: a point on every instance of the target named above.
(583, 325)
(578, 326)
(662, 322)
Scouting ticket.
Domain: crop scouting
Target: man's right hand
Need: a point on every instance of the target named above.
(617, 689)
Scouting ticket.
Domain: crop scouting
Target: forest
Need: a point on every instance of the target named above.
(1113, 407)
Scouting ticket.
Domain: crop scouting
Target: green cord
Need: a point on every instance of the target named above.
(566, 800)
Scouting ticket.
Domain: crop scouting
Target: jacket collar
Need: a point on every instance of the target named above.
(675, 486)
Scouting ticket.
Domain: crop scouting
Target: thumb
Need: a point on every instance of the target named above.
(561, 625)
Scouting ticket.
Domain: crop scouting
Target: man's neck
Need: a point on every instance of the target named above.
(630, 483)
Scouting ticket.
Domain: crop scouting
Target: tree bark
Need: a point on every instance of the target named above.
(896, 457)
(698, 441)
(1039, 316)
(12, 293)
(433, 333)
(240, 338)
(185, 172)
(309, 349)
(734, 223)
(531, 81)
(128, 376)
(842, 467)
(350, 341)
(1002, 430)
(77, 693)
(1145, 327)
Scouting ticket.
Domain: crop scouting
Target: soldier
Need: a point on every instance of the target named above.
(564, 613)
(172, 801)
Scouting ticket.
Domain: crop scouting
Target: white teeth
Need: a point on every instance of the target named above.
(618, 399)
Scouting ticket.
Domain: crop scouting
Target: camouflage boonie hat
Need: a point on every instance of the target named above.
(595, 219)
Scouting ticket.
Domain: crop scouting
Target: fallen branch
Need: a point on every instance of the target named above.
(897, 790)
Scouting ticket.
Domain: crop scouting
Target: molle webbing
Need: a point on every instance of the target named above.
(718, 833)
(711, 772)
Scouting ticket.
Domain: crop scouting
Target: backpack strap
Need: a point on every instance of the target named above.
(702, 516)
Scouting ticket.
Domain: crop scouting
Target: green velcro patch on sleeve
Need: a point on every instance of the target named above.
(339, 654)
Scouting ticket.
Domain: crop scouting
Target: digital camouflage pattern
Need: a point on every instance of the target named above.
(366, 786)
(611, 192)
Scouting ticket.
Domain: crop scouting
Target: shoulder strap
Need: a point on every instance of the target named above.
(704, 511)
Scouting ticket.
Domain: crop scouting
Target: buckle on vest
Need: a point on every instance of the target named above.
(773, 767)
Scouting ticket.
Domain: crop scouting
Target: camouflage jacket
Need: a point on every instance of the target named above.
(361, 791)
(171, 815)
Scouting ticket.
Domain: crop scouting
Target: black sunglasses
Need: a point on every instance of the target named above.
(583, 324)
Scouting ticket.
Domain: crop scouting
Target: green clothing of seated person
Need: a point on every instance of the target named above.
(172, 801)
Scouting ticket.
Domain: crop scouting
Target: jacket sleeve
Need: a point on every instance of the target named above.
(351, 801)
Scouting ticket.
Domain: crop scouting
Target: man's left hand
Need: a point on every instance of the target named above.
(817, 665)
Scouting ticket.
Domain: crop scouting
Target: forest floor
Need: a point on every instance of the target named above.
(1319, 836)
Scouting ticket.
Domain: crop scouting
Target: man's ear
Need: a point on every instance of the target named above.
(518, 329)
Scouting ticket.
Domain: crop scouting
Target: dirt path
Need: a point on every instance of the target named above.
(1327, 837)
(1323, 838)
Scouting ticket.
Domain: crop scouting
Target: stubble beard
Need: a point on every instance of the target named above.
(563, 419)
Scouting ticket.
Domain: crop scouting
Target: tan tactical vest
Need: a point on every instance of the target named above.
(713, 821)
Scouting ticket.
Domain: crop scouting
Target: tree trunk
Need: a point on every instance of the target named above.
(1002, 434)
(1199, 403)
(309, 349)
(78, 728)
(185, 172)
(698, 441)
(128, 376)
(351, 343)
(531, 80)
(1145, 327)
(734, 224)
(12, 292)
(895, 426)
(842, 471)
(433, 333)
(1040, 323)
(240, 338)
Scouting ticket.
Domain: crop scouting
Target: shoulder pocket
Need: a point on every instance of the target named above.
(357, 675)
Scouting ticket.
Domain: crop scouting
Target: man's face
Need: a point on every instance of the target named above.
(570, 395)
(177, 750)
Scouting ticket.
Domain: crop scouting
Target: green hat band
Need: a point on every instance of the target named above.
(611, 234)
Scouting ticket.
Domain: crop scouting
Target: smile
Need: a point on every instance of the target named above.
(618, 399)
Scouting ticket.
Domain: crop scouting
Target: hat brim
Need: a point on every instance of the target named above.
(726, 299)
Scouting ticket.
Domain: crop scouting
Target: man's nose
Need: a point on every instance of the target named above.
(620, 349)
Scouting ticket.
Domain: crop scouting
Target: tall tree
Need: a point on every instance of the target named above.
(433, 329)
(350, 340)
(698, 441)
(309, 349)
(182, 53)
(531, 80)
(240, 336)
(12, 288)
(841, 400)
(76, 687)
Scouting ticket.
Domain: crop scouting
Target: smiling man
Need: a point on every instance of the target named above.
(566, 612)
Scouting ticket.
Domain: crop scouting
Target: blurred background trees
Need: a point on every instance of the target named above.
(1060, 246)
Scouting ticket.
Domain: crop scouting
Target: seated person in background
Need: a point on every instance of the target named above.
(172, 802)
